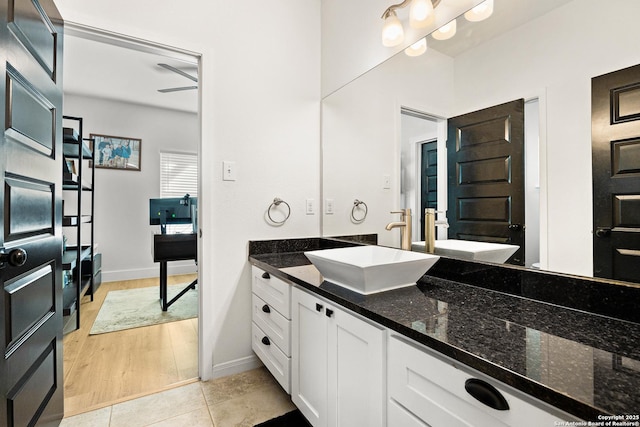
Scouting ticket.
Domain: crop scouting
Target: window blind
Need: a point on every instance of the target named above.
(178, 174)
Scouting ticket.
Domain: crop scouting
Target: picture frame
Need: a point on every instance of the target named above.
(117, 152)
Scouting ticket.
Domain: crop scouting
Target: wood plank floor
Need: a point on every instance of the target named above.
(100, 370)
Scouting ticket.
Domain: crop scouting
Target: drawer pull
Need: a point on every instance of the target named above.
(266, 341)
(266, 308)
(329, 312)
(266, 275)
(486, 393)
(318, 307)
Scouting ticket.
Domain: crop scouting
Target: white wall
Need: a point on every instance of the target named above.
(260, 94)
(122, 229)
(554, 58)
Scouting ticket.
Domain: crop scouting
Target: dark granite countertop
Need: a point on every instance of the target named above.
(583, 363)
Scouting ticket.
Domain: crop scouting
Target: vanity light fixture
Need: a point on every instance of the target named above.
(392, 31)
(480, 12)
(446, 31)
(420, 15)
(418, 48)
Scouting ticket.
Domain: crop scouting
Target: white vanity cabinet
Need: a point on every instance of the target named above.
(271, 327)
(429, 390)
(338, 369)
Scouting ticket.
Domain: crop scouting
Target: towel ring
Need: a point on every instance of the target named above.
(276, 202)
(356, 204)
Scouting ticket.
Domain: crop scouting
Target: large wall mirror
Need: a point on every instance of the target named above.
(546, 52)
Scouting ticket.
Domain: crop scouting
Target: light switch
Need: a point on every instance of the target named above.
(310, 209)
(328, 206)
(386, 182)
(228, 171)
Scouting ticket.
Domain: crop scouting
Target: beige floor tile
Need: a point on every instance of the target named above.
(158, 407)
(198, 418)
(97, 418)
(261, 404)
(221, 389)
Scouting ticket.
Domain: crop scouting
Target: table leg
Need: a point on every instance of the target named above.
(163, 285)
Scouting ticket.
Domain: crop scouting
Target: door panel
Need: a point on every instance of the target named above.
(485, 160)
(31, 25)
(615, 135)
(30, 117)
(33, 393)
(29, 207)
(31, 200)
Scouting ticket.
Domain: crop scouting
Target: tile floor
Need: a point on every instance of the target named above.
(240, 400)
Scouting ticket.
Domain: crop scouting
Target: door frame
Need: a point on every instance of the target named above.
(148, 46)
(441, 140)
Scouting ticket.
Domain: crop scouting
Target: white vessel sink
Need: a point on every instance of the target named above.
(371, 269)
(470, 250)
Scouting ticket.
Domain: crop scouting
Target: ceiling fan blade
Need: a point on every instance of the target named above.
(177, 89)
(176, 70)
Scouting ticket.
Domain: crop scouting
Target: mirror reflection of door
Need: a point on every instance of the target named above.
(428, 180)
(486, 185)
(616, 174)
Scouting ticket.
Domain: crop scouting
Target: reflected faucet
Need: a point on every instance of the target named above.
(430, 223)
(405, 227)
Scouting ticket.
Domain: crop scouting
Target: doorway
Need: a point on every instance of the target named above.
(127, 261)
(423, 167)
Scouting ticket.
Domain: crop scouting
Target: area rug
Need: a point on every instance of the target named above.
(133, 308)
(290, 419)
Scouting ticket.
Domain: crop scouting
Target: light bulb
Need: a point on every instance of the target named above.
(418, 48)
(420, 13)
(480, 12)
(392, 32)
(446, 31)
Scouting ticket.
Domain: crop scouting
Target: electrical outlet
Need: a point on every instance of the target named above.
(328, 206)
(310, 209)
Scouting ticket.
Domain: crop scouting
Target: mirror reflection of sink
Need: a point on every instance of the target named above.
(371, 269)
(470, 250)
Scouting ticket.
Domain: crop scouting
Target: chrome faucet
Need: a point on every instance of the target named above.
(430, 223)
(405, 227)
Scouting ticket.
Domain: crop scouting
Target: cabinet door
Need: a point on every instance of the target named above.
(309, 357)
(356, 371)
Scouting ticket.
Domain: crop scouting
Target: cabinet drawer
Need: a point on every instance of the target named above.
(274, 324)
(273, 291)
(400, 417)
(273, 358)
(434, 391)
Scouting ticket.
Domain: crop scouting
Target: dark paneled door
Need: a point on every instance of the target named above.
(485, 161)
(31, 380)
(615, 133)
(428, 180)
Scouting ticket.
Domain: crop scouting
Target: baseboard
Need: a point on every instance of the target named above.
(143, 273)
(236, 366)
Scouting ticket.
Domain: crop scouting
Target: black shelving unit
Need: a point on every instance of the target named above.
(78, 261)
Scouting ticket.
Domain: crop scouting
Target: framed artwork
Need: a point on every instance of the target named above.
(117, 152)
